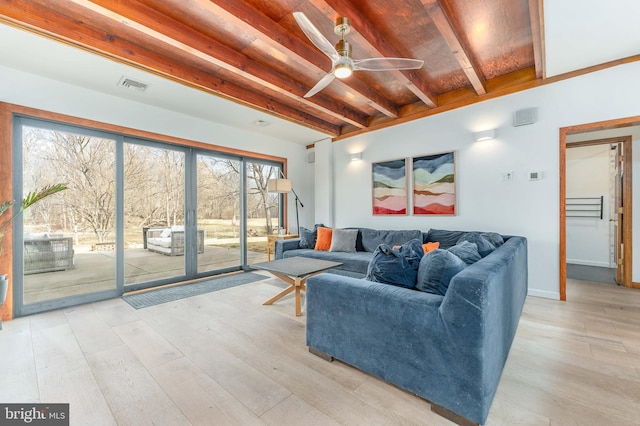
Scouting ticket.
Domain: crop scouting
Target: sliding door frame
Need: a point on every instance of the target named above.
(13, 256)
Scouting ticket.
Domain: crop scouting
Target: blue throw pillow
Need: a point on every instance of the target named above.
(397, 267)
(484, 246)
(436, 270)
(466, 251)
(308, 237)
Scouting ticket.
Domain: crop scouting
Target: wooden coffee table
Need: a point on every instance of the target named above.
(294, 271)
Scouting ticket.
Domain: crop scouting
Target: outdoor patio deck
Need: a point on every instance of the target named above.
(95, 270)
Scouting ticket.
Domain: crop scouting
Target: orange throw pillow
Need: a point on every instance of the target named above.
(430, 246)
(323, 242)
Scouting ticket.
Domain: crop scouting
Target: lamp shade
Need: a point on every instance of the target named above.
(279, 185)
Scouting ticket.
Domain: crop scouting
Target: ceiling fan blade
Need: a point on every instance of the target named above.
(387, 64)
(316, 37)
(324, 82)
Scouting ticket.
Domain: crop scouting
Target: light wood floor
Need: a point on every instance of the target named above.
(224, 359)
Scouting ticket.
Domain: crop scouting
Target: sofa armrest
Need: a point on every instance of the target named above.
(283, 245)
(154, 232)
(482, 308)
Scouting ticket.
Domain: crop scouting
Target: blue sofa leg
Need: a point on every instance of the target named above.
(450, 415)
(322, 355)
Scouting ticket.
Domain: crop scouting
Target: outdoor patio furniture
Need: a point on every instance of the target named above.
(170, 241)
(47, 253)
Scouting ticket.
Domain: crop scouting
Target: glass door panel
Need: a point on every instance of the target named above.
(263, 211)
(154, 231)
(218, 213)
(69, 238)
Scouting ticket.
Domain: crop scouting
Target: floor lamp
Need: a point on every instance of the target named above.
(284, 186)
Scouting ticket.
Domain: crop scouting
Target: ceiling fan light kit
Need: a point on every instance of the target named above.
(342, 63)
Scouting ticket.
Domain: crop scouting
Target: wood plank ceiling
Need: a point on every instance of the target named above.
(253, 51)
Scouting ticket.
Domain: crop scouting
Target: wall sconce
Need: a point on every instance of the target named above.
(356, 156)
(485, 135)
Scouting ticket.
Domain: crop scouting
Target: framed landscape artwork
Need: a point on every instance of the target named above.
(434, 184)
(390, 196)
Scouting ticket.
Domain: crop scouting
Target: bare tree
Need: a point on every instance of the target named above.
(88, 165)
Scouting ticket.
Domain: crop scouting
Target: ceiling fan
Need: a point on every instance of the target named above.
(342, 64)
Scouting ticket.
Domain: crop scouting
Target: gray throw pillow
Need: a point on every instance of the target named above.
(436, 270)
(344, 240)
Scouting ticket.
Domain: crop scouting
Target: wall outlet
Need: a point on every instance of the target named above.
(507, 176)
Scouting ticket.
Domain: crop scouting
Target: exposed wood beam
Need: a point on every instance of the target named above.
(441, 19)
(412, 79)
(76, 33)
(179, 36)
(537, 33)
(253, 22)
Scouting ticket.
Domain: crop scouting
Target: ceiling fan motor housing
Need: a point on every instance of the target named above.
(344, 48)
(342, 26)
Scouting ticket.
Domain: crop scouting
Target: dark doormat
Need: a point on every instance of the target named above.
(594, 274)
(169, 294)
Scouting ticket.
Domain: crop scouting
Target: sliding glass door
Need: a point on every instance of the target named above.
(137, 214)
(68, 242)
(154, 206)
(219, 224)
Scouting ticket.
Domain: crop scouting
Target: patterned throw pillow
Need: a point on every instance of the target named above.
(308, 237)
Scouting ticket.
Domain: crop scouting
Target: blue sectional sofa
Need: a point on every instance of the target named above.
(448, 349)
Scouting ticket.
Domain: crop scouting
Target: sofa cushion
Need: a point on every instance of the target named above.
(344, 240)
(466, 251)
(445, 238)
(494, 238)
(372, 238)
(484, 246)
(436, 270)
(323, 242)
(396, 266)
(308, 236)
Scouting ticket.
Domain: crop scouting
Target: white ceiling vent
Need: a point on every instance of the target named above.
(129, 83)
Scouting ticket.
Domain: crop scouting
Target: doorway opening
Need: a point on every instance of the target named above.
(606, 132)
(596, 196)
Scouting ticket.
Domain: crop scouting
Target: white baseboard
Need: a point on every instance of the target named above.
(589, 263)
(543, 293)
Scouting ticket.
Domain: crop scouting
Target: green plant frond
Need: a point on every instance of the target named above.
(5, 206)
(29, 200)
(35, 196)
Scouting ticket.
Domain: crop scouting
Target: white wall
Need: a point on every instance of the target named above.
(485, 201)
(589, 174)
(35, 91)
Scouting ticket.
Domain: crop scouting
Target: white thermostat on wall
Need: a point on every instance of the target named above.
(535, 175)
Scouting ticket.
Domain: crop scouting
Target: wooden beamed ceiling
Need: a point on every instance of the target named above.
(254, 53)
